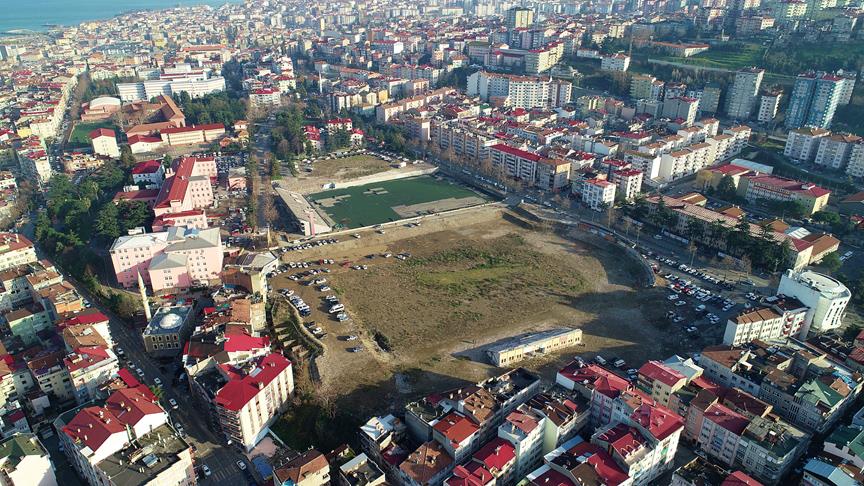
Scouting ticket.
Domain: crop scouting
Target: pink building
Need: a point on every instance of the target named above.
(188, 186)
(176, 258)
(195, 218)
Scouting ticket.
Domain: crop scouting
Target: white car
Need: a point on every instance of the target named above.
(139, 372)
(157, 381)
(173, 403)
(206, 470)
(241, 465)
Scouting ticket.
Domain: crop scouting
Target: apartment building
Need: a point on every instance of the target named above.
(855, 168)
(835, 150)
(660, 381)
(249, 403)
(598, 194)
(519, 91)
(265, 98)
(596, 384)
(310, 468)
(25, 462)
(629, 183)
(803, 143)
(644, 443)
(743, 94)
(428, 465)
(814, 100)
(616, 62)
(646, 87)
(783, 320)
(769, 104)
(524, 429)
(515, 162)
(176, 258)
(126, 441)
(104, 142)
(89, 368)
(15, 250)
(809, 390)
(681, 108)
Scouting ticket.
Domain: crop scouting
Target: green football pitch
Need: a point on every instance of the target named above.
(381, 202)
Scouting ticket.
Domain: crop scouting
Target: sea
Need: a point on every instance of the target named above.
(40, 15)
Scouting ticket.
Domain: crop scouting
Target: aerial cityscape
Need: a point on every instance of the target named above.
(446, 243)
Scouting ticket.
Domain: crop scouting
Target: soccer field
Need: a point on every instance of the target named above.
(80, 136)
(380, 202)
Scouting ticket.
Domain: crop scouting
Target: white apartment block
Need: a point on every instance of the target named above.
(15, 250)
(598, 194)
(742, 96)
(769, 103)
(855, 168)
(765, 324)
(835, 150)
(246, 406)
(616, 62)
(629, 182)
(803, 143)
(519, 91)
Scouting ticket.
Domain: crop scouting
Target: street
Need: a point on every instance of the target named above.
(220, 458)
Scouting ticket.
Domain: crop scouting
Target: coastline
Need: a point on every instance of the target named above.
(100, 12)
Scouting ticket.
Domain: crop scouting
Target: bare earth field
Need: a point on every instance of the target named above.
(349, 167)
(474, 278)
(343, 169)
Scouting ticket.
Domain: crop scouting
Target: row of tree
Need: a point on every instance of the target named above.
(761, 249)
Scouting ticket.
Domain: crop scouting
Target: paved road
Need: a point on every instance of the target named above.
(221, 459)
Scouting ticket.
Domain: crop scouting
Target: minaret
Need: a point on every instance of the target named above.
(144, 300)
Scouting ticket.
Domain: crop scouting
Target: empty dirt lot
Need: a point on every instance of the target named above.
(474, 278)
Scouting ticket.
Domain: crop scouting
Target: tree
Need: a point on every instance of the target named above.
(831, 263)
(133, 214)
(107, 223)
(726, 188)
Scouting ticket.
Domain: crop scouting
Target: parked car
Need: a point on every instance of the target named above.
(206, 470)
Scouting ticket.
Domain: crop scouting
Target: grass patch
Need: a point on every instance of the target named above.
(80, 136)
(360, 206)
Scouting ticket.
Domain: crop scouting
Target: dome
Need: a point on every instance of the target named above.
(104, 101)
(170, 321)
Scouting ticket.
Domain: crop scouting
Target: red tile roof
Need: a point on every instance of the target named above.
(471, 474)
(738, 478)
(726, 418)
(598, 379)
(604, 465)
(658, 420)
(102, 132)
(238, 391)
(146, 167)
(84, 357)
(516, 152)
(245, 342)
(657, 371)
(131, 405)
(456, 427)
(496, 454)
(93, 426)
